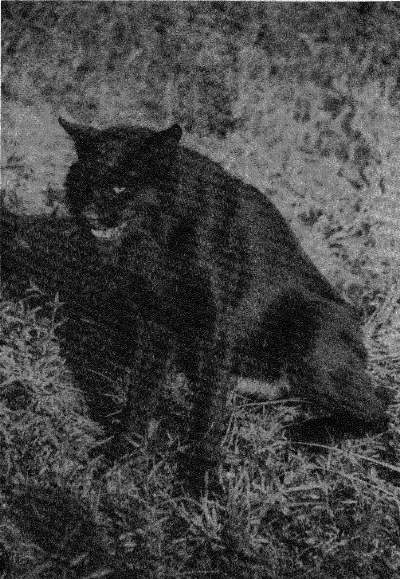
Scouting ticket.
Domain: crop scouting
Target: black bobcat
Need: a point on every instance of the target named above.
(210, 275)
(177, 262)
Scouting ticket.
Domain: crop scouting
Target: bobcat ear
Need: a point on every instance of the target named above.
(164, 147)
(170, 136)
(79, 133)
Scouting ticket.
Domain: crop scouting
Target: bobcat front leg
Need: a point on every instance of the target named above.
(209, 382)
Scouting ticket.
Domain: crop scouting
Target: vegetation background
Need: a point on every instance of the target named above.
(302, 101)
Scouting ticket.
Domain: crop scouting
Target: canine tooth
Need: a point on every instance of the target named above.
(98, 233)
(110, 232)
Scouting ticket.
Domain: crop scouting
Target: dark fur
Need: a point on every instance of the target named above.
(205, 273)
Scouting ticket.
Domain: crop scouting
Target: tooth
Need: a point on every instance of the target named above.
(110, 232)
(97, 233)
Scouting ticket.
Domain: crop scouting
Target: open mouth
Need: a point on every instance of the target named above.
(105, 228)
(104, 222)
(109, 233)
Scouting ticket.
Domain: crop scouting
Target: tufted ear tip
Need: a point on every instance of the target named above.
(172, 134)
(68, 126)
(176, 131)
(75, 130)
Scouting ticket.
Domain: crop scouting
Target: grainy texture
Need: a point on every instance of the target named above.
(169, 259)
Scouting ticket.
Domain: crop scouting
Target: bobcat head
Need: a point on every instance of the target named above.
(118, 174)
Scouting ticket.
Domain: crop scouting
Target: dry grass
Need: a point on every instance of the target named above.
(314, 123)
(284, 509)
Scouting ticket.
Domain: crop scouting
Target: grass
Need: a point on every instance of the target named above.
(304, 105)
(284, 509)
